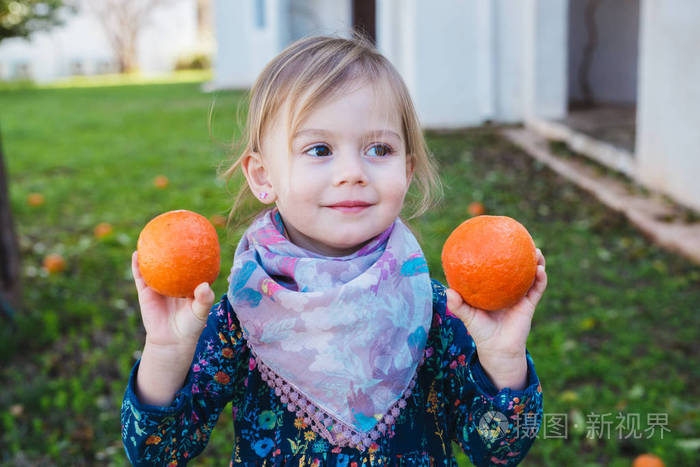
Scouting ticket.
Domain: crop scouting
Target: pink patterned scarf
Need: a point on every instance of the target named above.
(338, 338)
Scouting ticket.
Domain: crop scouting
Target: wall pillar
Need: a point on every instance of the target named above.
(545, 92)
(668, 105)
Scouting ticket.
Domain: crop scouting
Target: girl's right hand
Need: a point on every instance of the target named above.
(172, 322)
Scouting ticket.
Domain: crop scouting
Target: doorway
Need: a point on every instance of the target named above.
(364, 18)
(602, 70)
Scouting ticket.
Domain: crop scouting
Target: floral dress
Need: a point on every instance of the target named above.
(452, 400)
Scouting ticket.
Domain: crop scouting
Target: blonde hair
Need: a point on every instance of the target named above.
(310, 71)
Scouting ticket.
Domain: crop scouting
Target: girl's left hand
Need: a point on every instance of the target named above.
(500, 336)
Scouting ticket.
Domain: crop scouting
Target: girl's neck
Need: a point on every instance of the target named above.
(301, 241)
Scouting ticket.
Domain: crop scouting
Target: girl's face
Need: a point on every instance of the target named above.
(350, 150)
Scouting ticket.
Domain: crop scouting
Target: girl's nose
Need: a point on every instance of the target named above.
(349, 169)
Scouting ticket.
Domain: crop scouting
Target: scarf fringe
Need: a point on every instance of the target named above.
(321, 422)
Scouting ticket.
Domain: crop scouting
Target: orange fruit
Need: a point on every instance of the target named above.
(161, 181)
(491, 261)
(177, 251)
(54, 263)
(35, 199)
(648, 460)
(218, 220)
(475, 209)
(103, 229)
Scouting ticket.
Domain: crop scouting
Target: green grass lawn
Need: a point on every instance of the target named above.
(615, 337)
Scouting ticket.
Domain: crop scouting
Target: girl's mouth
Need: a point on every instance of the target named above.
(350, 206)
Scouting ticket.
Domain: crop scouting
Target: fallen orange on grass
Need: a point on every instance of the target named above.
(475, 208)
(35, 199)
(54, 263)
(491, 261)
(177, 251)
(103, 229)
(161, 181)
(218, 220)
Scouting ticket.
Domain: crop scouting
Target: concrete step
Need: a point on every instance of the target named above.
(645, 212)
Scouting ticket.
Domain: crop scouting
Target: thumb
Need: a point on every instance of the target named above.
(203, 300)
(457, 307)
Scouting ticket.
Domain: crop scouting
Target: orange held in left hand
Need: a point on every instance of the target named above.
(496, 278)
(503, 331)
(490, 261)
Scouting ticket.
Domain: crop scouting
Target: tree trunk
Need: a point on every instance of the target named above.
(9, 251)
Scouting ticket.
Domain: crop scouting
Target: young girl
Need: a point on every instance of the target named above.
(333, 344)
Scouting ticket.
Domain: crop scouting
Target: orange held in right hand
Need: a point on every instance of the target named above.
(491, 261)
(171, 322)
(178, 250)
(177, 259)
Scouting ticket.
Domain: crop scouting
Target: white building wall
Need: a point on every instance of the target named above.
(470, 61)
(396, 37)
(437, 63)
(309, 17)
(170, 34)
(508, 61)
(51, 54)
(544, 53)
(447, 91)
(668, 109)
(247, 40)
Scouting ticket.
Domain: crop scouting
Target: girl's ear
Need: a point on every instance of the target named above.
(258, 177)
(410, 167)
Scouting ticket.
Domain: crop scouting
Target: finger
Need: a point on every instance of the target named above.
(540, 258)
(537, 289)
(457, 307)
(203, 301)
(453, 300)
(136, 272)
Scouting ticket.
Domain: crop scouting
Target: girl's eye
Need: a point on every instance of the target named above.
(380, 150)
(320, 150)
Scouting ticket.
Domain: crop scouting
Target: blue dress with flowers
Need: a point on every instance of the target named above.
(453, 400)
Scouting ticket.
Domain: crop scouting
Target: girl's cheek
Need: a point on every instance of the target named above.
(396, 180)
(309, 173)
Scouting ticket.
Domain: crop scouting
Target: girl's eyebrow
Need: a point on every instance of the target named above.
(325, 133)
